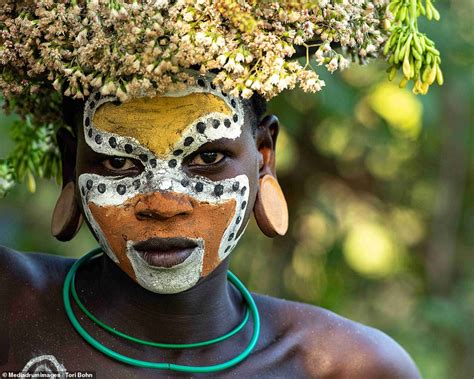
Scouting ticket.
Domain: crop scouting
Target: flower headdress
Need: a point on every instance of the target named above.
(50, 49)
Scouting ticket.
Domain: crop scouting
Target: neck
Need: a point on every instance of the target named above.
(210, 309)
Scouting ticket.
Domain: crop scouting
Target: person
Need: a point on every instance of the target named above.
(167, 180)
(165, 209)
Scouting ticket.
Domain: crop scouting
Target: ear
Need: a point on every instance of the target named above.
(67, 217)
(270, 209)
(266, 138)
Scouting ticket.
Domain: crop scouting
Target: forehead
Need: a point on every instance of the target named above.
(158, 123)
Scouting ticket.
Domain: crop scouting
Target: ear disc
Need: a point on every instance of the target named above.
(271, 210)
(67, 218)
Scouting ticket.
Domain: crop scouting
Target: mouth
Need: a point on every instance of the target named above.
(165, 252)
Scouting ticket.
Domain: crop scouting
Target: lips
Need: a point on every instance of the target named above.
(165, 252)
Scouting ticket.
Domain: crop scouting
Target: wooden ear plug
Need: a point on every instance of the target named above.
(270, 210)
(67, 218)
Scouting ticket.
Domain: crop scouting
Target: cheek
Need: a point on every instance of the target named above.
(211, 222)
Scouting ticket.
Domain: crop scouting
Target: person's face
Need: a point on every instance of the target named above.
(166, 182)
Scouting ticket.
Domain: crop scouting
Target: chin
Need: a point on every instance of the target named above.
(168, 280)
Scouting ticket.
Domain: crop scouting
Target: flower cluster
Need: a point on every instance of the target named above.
(130, 48)
(409, 50)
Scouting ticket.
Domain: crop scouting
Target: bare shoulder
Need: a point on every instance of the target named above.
(336, 347)
(34, 271)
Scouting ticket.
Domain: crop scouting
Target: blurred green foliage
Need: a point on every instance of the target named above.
(380, 186)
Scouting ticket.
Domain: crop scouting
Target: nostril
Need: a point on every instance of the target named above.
(143, 215)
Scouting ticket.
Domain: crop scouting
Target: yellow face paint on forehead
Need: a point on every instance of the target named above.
(158, 122)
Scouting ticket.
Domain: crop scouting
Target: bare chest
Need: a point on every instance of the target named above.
(47, 342)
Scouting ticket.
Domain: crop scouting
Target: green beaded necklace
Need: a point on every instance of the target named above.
(69, 287)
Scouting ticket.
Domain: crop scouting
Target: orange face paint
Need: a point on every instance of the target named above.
(206, 221)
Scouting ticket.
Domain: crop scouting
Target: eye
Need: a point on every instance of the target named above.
(207, 158)
(118, 163)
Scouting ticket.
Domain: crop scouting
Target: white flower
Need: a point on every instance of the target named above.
(343, 62)
(256, 85)
(188, 16)
(332, 65)
(160, 4)
(222, 59)
(319, 57)
(121, 95)
(370, 48)
(298, 40)
(326, 47)
(136, 65)
(274, 79)
(247, 93)
(283, 83)
(230, 65)
(220, 41)
(114, 14)
(239, 57)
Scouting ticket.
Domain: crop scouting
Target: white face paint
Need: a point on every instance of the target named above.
(106, 198)
(44, 366)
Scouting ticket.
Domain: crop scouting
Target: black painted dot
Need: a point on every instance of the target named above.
(213, 86)
(184, 182)
(172, 163)
(89, 184)
(242, 192)
(153, 162)
(235, 118)
(231, 236)
(87, 121)
(199, 187)
(128, 148)
(136, 184)
(201, 127)
(112, 142)
(219, 190)
(236, 186)
(101, 188)
(97, 96)
(244, 204)
(188, 141)
(227, 123)
(233, 103)
(224, 94)
(238, 220)
(143, 157)
(83, 190)
(149, 175)
(89, 133)
(98, 139)
(215, 124)
(201, 83)
(227, 249)
(121, 189)
(177, 152)
(92, 104)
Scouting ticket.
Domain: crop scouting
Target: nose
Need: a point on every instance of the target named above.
(162, 206)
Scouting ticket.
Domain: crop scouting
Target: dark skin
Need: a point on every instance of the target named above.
(296, 341)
